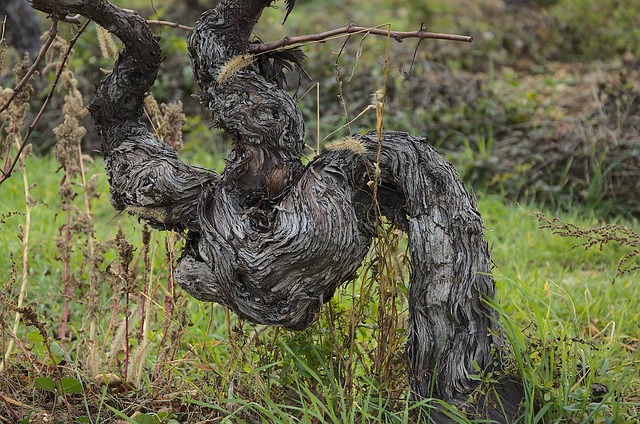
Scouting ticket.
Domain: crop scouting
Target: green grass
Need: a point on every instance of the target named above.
(570, 329)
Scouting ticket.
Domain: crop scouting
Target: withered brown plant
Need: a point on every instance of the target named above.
(11, 124)
(167, 120)
(68, 153)
(598, 237)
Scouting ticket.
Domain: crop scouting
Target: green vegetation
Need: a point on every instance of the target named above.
(573, 331)
(525, 113)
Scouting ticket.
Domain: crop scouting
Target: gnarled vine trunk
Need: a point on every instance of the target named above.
(272, 239)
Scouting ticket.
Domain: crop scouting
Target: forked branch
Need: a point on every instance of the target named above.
(399, 36)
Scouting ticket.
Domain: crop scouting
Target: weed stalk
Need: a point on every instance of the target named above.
(16, 117)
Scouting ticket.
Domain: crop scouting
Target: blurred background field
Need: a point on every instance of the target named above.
(539, 113)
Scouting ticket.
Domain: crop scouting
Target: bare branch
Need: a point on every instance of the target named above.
(169, 24)
(355, 29)
(399, 36)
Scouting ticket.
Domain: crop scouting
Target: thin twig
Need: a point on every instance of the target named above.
(340, 92)
(415, 52)
(4, 25)
(169, 24)
(9, 401)
(6, 173)
(354, 29)
(399, 36)
(67, 263)
(126, 334)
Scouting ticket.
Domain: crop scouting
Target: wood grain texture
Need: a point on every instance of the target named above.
(273, 239)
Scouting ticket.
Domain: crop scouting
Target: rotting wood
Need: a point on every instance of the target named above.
(273, 239)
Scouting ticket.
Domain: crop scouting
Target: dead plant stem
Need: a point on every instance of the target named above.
(169, 300)
(67, 264)
(148, 279)
(6, 172)
(381, 246)
(126, 333)
(317, 118)
(25, 260)
(93, 283)
(21, 346)
(341, 98)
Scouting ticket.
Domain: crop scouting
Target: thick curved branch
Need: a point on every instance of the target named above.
(145, 175)
(119, 99)
(266, 124)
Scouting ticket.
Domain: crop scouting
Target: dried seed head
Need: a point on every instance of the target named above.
(69, 132)
(377, 98)
(55, 54)
(156, 214)
(233, 66)
(167, 121)
(347, 143)
(107, 45)
(173, 119)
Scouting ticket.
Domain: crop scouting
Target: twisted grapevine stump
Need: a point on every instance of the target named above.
(272, 239)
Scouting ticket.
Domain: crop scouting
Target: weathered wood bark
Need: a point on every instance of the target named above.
(272, 239)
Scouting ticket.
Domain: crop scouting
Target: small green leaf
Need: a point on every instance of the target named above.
(146, 419)
(45, 383)
(56, 350)
(71, 385)
(35, 337)
(83, 420)
(605, 366)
